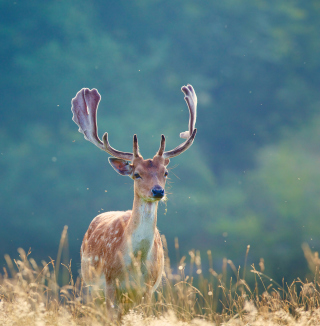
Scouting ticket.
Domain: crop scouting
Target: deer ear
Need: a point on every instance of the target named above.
(121, 166)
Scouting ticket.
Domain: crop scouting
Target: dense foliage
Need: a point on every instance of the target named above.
(252, 175)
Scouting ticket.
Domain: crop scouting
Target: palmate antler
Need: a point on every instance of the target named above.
(85, 106)
(191, 99)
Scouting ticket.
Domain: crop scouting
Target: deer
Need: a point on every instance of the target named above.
(115, 239)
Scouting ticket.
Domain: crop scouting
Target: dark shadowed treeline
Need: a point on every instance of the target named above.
(252, 175)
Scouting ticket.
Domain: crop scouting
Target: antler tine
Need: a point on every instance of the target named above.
(162, 145)
(191, 100)
(135, 146)
(84, 108)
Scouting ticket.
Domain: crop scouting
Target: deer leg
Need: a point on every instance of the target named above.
(110, 294)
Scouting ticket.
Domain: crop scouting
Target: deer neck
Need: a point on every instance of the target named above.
(142, 225)
(144, 214)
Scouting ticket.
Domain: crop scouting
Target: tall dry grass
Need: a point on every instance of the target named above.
(30, 294)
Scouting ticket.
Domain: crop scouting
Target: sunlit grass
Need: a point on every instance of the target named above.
(30, 295)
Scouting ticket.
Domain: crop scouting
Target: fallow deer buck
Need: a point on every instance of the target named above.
(114, 239)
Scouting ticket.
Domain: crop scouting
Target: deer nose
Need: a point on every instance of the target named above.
(157, 191)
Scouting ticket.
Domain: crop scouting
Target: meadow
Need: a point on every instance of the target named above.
(48, 294)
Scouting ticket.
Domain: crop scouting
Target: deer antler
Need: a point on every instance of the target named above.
(191, 99)
(85, 106)
(84, 109)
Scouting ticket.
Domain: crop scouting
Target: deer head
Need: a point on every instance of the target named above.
(149, 175)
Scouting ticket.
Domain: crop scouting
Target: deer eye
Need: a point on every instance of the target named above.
(166, 174)
(137, 176)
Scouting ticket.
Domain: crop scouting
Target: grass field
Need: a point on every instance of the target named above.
(30, 295)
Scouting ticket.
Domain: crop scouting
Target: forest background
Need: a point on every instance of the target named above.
(251, 177)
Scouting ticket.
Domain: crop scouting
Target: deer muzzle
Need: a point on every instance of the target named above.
(157, 192)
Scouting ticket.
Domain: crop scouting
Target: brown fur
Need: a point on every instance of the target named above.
(104, 246)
